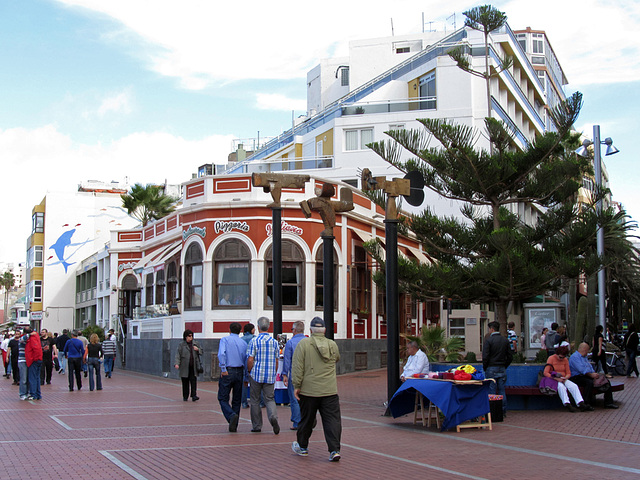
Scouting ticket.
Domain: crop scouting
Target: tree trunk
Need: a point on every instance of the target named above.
(501, 315)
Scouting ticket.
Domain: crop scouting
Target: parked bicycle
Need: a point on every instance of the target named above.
(616, 364)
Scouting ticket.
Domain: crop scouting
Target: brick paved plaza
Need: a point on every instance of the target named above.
(139, 427)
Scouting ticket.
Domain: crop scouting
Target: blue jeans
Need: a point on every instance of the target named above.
(94, 364)
(499, 374)
(24, 379)
(229, 385)
(293, 404)
(34, 379)
(632, 366)
(108, 364)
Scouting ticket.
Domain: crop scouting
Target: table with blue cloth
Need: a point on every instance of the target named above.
(459, 401)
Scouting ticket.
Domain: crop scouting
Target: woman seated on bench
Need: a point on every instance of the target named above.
(559, 365)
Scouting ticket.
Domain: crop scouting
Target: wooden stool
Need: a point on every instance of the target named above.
(478, 424)
(432, 412)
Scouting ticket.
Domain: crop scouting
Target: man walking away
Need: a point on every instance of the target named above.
(61, 341)
(496, 357)
(316, 388)
(551, 339)
(262, 363)
(298, 334)
(74, 351)
(232, 357)
(109, 353)
(48, 352)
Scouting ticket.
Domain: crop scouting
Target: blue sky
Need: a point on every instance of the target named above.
(150, 90)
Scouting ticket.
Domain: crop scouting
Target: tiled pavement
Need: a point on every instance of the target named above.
(139, 427)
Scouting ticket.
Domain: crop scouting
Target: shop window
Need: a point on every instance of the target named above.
(292, 276)
(231, 284)
(320, 276)
(160, 283)
(360, 282)
(193, 278)
(456, 328)
(148, 289)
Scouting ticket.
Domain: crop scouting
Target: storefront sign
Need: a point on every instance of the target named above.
(287, 228)
(36, 315)
(225, 227)
(202, 231)
(126, 266)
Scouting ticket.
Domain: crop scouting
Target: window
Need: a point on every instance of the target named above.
(193, 278)
(357, 139)
(344, 76)
(428, 91)
(360, 282)
(396, 126)
(456, 328)
(160, 283)
(292, 276)
(231, 285)
(320, 277)
(403, 50)
(523, 44)
(38, 250)
(36, 295)
(148, 289)
(172, 283)
(37, 223)
(538, 43)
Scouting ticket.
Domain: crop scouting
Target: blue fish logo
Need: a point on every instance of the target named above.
(61, 245)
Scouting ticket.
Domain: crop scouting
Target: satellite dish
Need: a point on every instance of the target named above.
(416, 180)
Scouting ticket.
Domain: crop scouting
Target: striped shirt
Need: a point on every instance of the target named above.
(108, 347)
(265, 351)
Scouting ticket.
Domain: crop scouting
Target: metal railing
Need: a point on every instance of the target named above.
(151, 311)
(283, 165)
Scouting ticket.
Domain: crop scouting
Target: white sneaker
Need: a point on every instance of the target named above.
(334, 456)
(303, 452)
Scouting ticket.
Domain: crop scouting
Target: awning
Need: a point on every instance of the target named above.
(366, 237)
(169, 252)
(422, 258)
(140, 266)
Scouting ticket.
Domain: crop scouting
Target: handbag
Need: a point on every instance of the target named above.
(601, 383)
(548, 385)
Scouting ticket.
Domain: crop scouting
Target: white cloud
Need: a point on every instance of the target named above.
(43, 159)
(276, 101)
(118, 103)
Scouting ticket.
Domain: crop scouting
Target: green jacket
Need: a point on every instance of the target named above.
(314, 366)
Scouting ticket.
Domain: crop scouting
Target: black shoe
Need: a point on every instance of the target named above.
(611, 405)
(48, 383)
(195, 398)
(71, 389)
(570, 407)
(186, 399)
(98, 388)
(585, 407)
(85, 374)
(274, 424)
(256, 430)
(233, 423)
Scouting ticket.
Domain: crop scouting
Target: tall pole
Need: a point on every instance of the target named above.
(597, 161)
(327, 284)
(277, 270)
(393, 337)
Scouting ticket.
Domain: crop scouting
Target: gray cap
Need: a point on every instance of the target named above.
(317, 322)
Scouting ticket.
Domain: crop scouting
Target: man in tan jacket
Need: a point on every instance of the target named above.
(315, 386)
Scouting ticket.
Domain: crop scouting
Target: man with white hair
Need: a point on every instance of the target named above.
(416, 363)
(316, 388)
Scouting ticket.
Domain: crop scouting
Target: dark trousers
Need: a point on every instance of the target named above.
(15, 370)
(230, 386)
(74, 367)
(586, 383)
(192, 381)
(329, 408)
(46, 370)
(602, 360)
(632, 366)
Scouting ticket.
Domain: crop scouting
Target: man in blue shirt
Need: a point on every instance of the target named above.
(232, 355)
(297, 330)
(248, 332)
(262, 363)
(583, 375)
(74, 351)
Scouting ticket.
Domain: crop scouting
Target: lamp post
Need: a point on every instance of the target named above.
(597, 164)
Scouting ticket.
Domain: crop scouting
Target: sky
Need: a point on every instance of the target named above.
(148, 90)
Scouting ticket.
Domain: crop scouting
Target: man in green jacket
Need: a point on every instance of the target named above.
(314, 381)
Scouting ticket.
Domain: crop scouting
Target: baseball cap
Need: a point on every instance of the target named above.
(317, 322)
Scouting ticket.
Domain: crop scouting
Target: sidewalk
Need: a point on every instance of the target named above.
(139, 427)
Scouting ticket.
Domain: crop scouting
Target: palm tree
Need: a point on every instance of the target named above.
(147, 203)
(7, 280)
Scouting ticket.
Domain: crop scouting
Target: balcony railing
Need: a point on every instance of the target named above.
(151, 311)
(423, 103)
(283, 165)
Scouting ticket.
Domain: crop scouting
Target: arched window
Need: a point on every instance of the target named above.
(160, 287)
(231, 285)
(173, 283)
(320, 282)
(193, 278)
(148, 289)
(292, 276)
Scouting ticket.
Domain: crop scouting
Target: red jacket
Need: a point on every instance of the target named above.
(33, 349)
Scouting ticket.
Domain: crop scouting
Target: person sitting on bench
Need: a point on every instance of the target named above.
(583, 375)
(559, 365)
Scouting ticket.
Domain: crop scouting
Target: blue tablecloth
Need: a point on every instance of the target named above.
(458, 402)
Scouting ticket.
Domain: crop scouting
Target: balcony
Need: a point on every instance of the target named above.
(151, 311)
(282, 165)
(423, 103)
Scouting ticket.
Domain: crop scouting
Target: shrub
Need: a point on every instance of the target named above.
(470, 357)
(93, 329)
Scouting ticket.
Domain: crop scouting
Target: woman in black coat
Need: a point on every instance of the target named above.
(188, 364)
(631, 347)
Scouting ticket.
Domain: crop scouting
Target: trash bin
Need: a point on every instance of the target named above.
(495, 407)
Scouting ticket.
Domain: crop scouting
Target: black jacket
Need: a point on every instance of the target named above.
(496, 351)
(631, 341)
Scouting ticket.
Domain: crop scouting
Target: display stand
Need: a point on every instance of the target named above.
(482, 422)
(433, 412)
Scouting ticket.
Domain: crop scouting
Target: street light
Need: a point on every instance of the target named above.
(597, 164)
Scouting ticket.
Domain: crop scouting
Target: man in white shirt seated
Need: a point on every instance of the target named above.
(416, 363)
